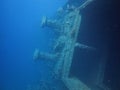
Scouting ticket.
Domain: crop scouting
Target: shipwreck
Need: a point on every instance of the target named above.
(67, 24)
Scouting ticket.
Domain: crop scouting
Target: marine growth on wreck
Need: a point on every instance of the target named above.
(66, 24)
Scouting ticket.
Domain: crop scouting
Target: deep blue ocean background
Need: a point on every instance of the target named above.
(20, 34)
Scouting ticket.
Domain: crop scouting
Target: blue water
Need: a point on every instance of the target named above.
(20, 34)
